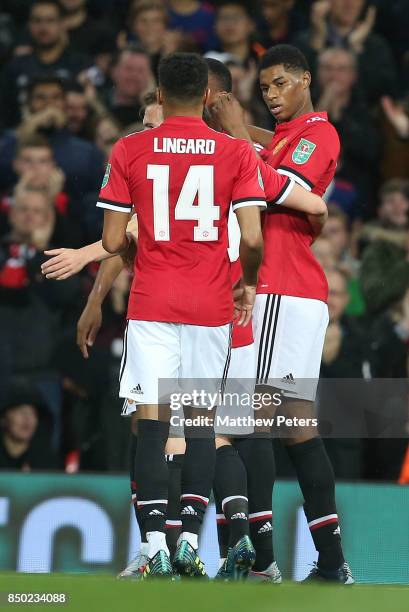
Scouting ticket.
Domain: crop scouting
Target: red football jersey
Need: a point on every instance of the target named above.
(181, 178)
(306, 150)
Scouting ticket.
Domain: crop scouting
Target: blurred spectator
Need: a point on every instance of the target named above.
(385, 282)
(395, 128)
(132, 78)
(24, 424)
(325, 253)
(347, 110)
(80, 161)
(234, 28)
(25, 297)
(345, 356)
(83, 111)
(7, 34)
(393, 211)
(397, 115)
(48, 54)
(147, 24)
(336, 231)
(278, 23)
(349, 24)
(107, 132)
(384, 275)
(393, 24)
(86, 35)
(392, 220)
(195, 20)
(34, 164)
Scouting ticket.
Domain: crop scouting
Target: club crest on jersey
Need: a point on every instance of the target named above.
(303, 151)
(280, 145)
(106, 176)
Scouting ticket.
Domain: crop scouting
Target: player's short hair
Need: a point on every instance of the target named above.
(54, 3)
(147, 100)
(35, 141)
(183, 76)
(395, 185)
(221, 73)
(47, 79)
(289, 56)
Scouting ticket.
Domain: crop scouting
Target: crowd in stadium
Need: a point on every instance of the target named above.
(74, 76)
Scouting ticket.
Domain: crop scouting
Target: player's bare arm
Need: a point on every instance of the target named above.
(90, 320)
(260, 135)
(64, 263)
(251, 255)
(115, 239)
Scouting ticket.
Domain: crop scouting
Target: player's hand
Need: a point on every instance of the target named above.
(244, 299)
(359, 34)
(132, 228)
(228, 112)
(64, 263)
(88, 326)
(396, 116)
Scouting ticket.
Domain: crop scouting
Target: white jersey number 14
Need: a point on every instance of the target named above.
(199, 182)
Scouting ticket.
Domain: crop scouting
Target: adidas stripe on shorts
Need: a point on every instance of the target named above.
(289, 334)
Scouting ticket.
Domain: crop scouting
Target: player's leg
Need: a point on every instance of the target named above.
(257, 451)
(316, 478)
(295, 365)
(159, 344)
(205, 354)
(230, 486)
(230, 492)
(175, 452)
(136, 565)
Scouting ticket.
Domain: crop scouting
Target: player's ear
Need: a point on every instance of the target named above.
(159, 97)
(306, 79)
(206, 97)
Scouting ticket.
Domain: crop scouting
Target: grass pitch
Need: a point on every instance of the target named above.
(102, 593)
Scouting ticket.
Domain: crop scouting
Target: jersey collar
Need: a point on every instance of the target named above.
(294, 123)
(184, 121)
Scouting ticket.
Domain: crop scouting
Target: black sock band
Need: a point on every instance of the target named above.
(230, 487)
(152, 473)
(258, 457)
(316, 478)
(197, 479)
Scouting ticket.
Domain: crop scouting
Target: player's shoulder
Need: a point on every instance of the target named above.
(319, 124)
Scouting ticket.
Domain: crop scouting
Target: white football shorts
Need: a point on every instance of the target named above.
(289, 334)
(164, 358)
